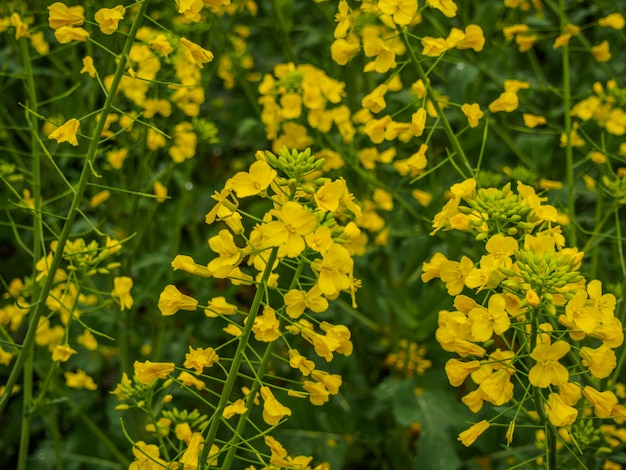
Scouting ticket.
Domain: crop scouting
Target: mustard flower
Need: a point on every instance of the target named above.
(344, 19)
(160, 190)
(580, 314)
(183, 432)
(601, 52)
(375, 100)
(121, 291)
(146, 372)
(200, 358)
(506, 102)
(237, 408)
(21, 28)
(447, 7)
(273, 410)
(559, 413)
(600, 361)
(199, 55)
(172, 300)
(229, 254)
(548, 371)
(79, 379)
(433, 47)
(219, 306)
(472, 113)
(66, 132)
(402, 11)
(298, 301)
(60, 15)
(474, 39)
(266, 326)
(469, 436)
(614, 20)
(603, 402)
(88, 67)
(109, 18)
(297, 361)
(88, 340)
(497, 388)
(318, 393)
(295, 222)
(99, 198)
(487, 321)
(161, 45)
(62, 352)
(453, 273)
(604, 303)
(532, 121)
(147, 457)
(190, 8)
(342, 50)
(187, 264)
(253, 182)
(418, 122)
(334, 270)
(189, 459)
(457, 371)
(190, 381)
(67, 34)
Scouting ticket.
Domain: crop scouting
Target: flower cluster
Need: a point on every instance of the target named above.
(532, 328)
(299, 257)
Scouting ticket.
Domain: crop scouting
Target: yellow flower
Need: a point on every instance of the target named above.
(614, 20)
(229, 254)
(297, 361)
(507, 102)
(66, 132)
(469, 436)
(116, 158)
(295, 222)
(237, 408)
(433, 47)
(172, 300)
(457, 371)
(121, 291)
(402, 11)
(487, 321)
(603, 402)
(62, 352)
(61, 15)
(109, 18)
(548, 371)
(601, 52)
(254, 182)
(79, 379)
(190, 381)
(600, 361)
(160, 190)
(146, 372)
(161, 45)
(199, 55)
(473, 113)
(447, 7)
(219, 306)
(67, 34)
(200, 358)
(298, 301)
(21, 28)
(334, 270)
(88, 340)
(273, 410)
(99, 198)
(187, 264)
(453, 273)
(375, 100)
(266, 326)
(190, 8)
(532, 121)
(342, 50)
(474, 39)
(88, 66)
(559, 413)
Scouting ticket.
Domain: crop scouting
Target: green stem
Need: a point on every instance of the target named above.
(39, 305)
(28, 352)
(567, 122)
(239, 353)
(456, 145)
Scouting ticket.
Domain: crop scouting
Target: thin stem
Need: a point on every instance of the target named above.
(239, 353)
